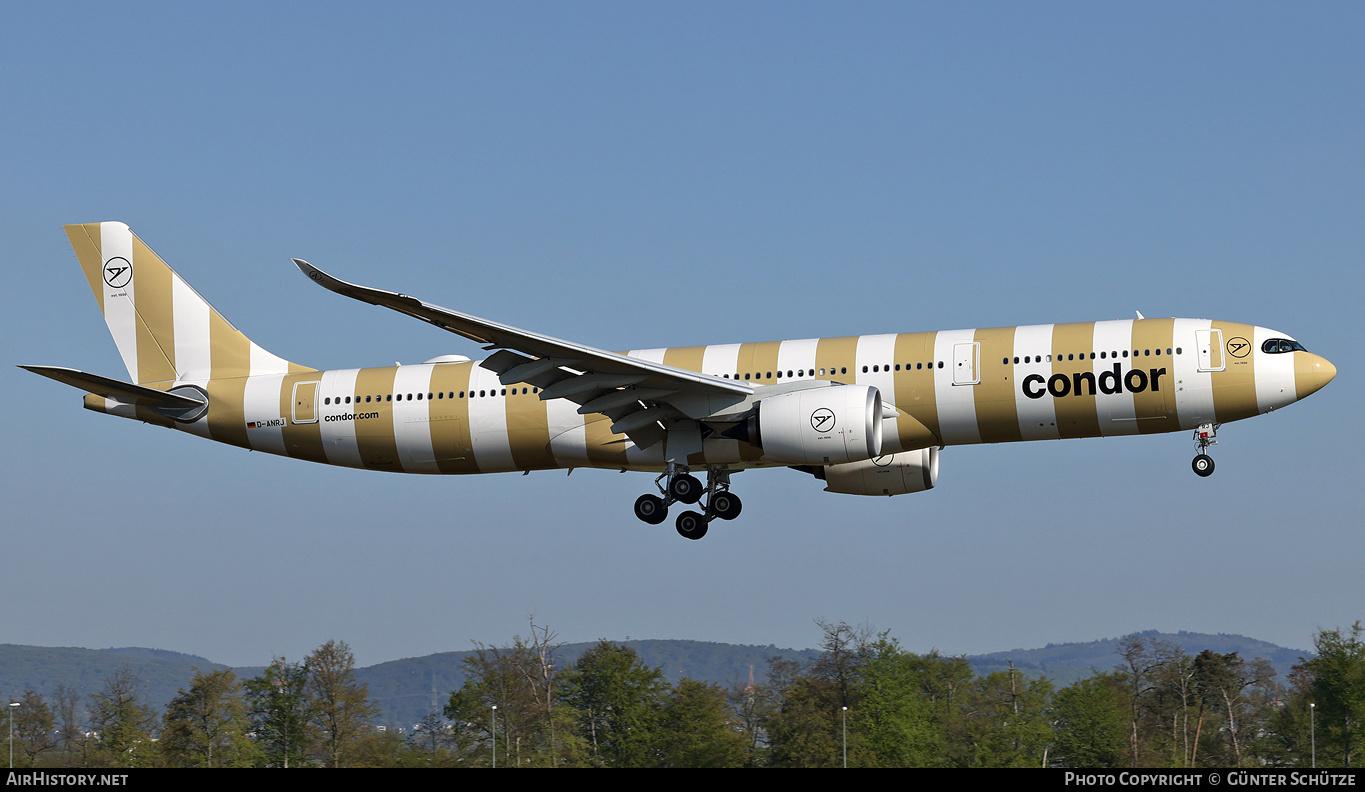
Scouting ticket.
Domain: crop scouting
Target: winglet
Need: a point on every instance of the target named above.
(353, 290)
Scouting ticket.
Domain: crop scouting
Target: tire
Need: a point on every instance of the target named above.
(651, 509)
(691, 525)
(686, 489)
(1203, 465)
(726, 505)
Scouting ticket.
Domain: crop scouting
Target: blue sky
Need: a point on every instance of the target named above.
(642, 174)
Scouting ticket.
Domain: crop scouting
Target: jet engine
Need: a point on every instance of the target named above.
(816, 426)
(893, 474)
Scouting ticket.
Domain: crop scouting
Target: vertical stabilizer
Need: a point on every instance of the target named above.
(164, 330)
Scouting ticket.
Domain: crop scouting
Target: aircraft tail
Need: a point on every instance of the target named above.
(164, 330)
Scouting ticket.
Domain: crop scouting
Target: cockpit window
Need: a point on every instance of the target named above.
(1277, 345)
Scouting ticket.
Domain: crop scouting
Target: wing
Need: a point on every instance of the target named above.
(641, 398)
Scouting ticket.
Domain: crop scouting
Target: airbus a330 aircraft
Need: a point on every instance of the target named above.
(867, 414)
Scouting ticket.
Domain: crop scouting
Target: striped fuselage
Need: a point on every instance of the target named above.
(951, 387)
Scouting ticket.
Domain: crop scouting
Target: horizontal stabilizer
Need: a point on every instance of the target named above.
(125, 392)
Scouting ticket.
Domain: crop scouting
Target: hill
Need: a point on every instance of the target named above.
(406, 689)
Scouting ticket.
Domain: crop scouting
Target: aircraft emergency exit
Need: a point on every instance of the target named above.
(867, 415)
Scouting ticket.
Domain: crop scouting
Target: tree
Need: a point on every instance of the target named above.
(616, 702)
(433, 741)
(894, 715)
(697, 728)
(806, 727)
(124, 724)
(1338, 688)
(533, 728)
(277, 707)
(33, 728)
(206, 726)
(753, 705)
(1090, 722)
(1144, 660)
(1225, 685)
(1174, 695)
(1006, 721)
(340, 706)
(70, 726)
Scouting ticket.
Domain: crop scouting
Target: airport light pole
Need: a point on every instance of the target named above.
(844, 715)
(1312, 731)
(495, 736)
(13, 705)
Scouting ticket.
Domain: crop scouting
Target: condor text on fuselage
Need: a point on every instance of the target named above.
(1108, 382)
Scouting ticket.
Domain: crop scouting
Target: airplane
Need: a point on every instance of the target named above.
(867, 415)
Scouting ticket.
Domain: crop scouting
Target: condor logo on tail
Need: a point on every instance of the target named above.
(1110, 382)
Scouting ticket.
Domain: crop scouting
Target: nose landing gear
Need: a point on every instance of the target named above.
(676, 485)
(1204, 437)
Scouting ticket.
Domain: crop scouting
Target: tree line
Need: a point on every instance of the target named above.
(862, 701)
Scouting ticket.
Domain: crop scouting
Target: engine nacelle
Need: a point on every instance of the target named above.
(894, 474)
(819, 426)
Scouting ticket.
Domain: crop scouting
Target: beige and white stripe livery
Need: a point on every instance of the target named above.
(942, 388)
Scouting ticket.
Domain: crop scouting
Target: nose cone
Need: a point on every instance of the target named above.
(1311, 372)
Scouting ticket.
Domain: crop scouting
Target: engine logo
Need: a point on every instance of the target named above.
(822, 420)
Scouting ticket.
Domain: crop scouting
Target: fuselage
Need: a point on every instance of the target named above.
(955, 387)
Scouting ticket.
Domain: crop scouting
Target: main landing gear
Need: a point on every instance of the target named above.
(683, 487)
(1203, 437)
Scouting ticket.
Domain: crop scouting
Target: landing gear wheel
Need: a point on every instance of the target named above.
(691, 525)
(1203, 465)
(685, 488)
(725, 505)
(651, 509)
